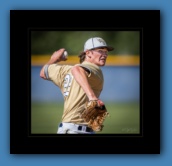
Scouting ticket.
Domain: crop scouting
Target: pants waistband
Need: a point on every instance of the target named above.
(76, 127)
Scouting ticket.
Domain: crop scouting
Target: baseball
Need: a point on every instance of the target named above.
(65, 54)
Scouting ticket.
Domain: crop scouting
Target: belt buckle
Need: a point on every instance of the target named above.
(84, 128)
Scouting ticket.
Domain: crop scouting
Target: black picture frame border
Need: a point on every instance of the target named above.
(23, 142)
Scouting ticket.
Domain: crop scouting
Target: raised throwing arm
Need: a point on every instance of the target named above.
(55, 57)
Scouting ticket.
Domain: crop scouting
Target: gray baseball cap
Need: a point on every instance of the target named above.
(96, 42)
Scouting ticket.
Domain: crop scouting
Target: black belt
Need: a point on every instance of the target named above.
(87, 129)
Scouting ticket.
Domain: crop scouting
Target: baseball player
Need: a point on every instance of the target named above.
(79, 83)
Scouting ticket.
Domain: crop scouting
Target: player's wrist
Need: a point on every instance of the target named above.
(92, 98)
(52, 61)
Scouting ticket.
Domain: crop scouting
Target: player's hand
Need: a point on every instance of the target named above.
(57, 56)
(100, 103)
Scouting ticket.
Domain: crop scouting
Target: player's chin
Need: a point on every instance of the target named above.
(102, 62)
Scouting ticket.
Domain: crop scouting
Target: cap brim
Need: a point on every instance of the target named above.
(109, 48)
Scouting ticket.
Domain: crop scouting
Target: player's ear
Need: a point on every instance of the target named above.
(87, 53)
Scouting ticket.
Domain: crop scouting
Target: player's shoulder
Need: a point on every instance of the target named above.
(59, 68)
(91, 66)
(86, 67)
(57, 65)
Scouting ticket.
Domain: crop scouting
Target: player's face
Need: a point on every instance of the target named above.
(99, 56)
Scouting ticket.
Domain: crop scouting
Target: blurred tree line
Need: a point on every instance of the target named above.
(46, 42)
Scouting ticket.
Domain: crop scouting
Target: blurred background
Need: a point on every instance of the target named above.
(121, 92)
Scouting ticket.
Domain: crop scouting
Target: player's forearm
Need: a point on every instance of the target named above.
(55, 58)
(81, 78)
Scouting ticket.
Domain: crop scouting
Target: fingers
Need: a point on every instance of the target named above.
(60, 51)
(57, 55)
(100, 103)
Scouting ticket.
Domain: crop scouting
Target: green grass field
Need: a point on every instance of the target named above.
(124, 118)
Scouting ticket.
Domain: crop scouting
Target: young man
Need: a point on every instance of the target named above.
(79, 83)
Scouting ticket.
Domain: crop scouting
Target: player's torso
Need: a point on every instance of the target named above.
(74, 96)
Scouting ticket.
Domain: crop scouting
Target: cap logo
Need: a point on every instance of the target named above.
(101, 41)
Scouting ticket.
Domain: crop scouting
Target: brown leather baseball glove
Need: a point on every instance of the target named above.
(95, 115)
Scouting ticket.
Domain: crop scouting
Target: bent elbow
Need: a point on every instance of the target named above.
(42, 74)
